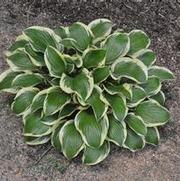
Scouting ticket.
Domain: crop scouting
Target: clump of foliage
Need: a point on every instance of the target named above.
(83, 87)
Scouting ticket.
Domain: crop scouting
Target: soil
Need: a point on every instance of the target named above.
(161, 20)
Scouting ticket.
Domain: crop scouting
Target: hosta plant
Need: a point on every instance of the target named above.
(84, 87)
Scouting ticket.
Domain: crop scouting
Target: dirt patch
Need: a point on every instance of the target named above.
(161, 20)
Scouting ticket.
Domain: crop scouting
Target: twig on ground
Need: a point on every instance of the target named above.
(41, 157)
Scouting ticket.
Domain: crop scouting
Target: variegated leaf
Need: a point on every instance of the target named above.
(93, 132)
(138, 40)
(101, 28)
(23, 100)
(98, 103)
(161, 72)
(130, 68)
(81, 84)
(152, 113)
(55, 100)
(70, 139)
(116, 45)
(118, 105)
(55, 62)
(117, 131)
(93, 156)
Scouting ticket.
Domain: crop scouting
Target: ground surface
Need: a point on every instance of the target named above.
(161, 20)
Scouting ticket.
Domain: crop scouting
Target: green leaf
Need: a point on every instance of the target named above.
(148, 57)
(41, 38)
(55, 62)
(116, 45)
(6, 79)
(38, 100)
(80, 101)
(67, 110)
(38, 57)
(124, 89)
(27, 80)
(70, 68)
(20, 42)
(20, 60)
(92, 131)
(138, 40)
(101, 28)
(34, 127)
(69, 43)
(75, 59)
(138, 95)
(93, 57)
(55, 141)
(93, 156)
(133, 142)
(117, 131)
(118, 105)
(23, 100)
(62, 31)
(70, 139)
(54, 81)
(161, 72)
(98, 103)
(136, 124)
(152, 113)
(159, 97)
(132, 69)
(152, 136)
(100, 74)
(30, 140)
(50, 120)
(55, 100)
(81, 84)
(152, 86)
(81, 34)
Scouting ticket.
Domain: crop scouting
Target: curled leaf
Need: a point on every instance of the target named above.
(34, 126)
(129, 68)
(147, 56)
(93, 57)
(23, 100)
(27, 80)
(70, 139)
(55, 101)
(138, 40)
(124, 89)
(161, 72)
(20, 60)
(152, 136)
(81, 34)
(55, 62)
(6, 79)
(98, 103)
(118, 105)
(136, 124)
(100, 74)
(116, 45)
(41, 38)
(159, 97)
(93, 132)
(81, 84)
(100, 29)
(93, 156)
(152, 86)
(133, 142)
(138, 95)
